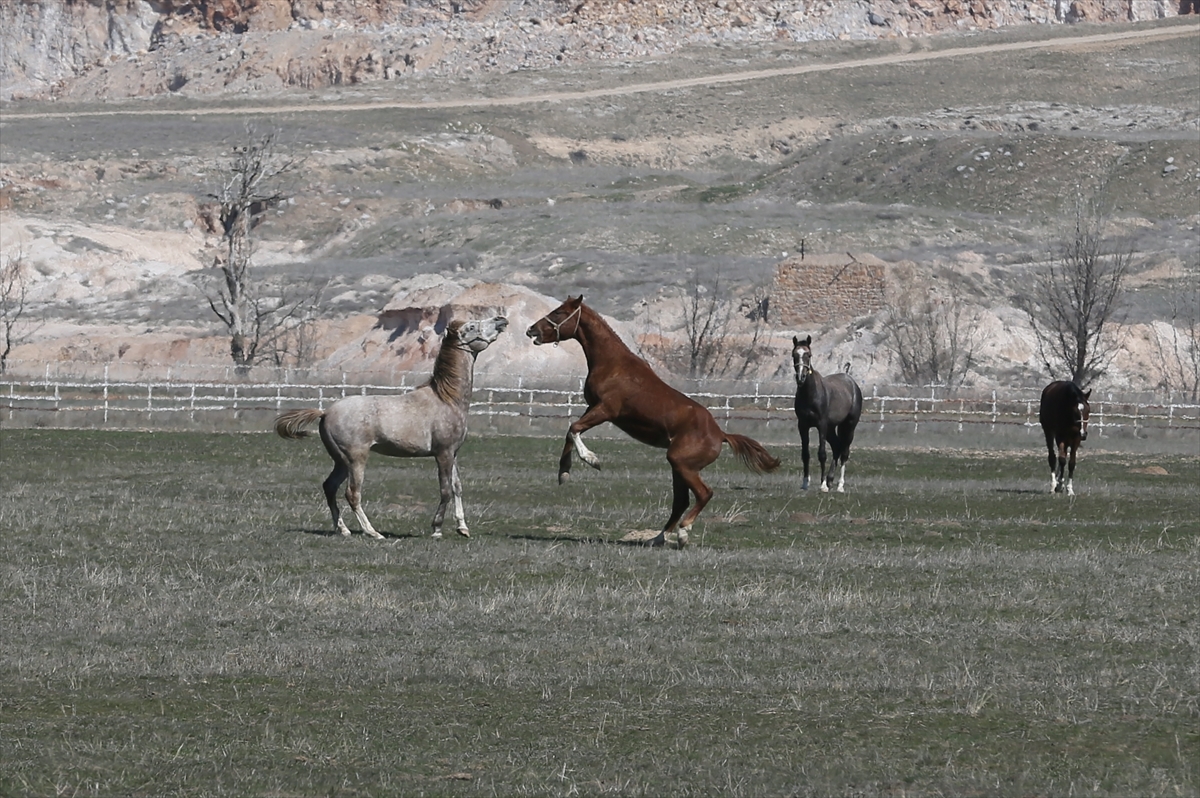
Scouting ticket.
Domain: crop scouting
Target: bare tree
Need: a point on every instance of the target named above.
(722, 332)
(263, 319)
(14, 304)
(1073, 299)
(931, 332)
(1178, 348)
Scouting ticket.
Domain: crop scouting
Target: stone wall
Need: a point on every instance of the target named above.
(823, 289)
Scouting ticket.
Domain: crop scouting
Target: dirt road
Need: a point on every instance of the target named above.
(1101, 39)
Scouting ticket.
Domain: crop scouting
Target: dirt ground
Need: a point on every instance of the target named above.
(629, 182)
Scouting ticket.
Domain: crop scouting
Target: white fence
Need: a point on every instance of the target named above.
(508, 402)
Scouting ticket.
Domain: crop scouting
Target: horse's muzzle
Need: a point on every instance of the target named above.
(534, 335)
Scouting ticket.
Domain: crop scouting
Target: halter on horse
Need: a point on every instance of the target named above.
(831, 404)
(623, 389)
(1063, 413)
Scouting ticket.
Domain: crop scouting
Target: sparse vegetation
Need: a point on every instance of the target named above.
(15, 324)
(946, 628)
(1076, 298)
(930, 331)
(264, 320)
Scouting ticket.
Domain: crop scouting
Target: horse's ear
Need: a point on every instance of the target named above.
(795, 341)
(1087, 395)
(808, 341)
(581, 299)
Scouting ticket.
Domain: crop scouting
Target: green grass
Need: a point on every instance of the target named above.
(179, 621)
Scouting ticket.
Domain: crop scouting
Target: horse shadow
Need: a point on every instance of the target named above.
(329, 533)
(562, 538)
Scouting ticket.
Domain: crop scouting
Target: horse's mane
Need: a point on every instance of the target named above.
(451, 368)
(599, 321)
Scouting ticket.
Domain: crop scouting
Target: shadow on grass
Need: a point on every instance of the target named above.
(329, 533)
(561, 538)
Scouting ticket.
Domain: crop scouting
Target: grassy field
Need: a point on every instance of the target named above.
(178, 620)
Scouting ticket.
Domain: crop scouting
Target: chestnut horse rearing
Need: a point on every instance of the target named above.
(623, 389)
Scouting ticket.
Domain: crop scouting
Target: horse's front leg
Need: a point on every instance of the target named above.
(445, 464)
(804, 454)
(1061, 466)
(595, 416)
(1052, 457)
(821, 457)
(1072, 448)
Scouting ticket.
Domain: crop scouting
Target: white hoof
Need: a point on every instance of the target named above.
(824, 488)
(466, 533)
(564, 477)
(682, 537)
(436, 535)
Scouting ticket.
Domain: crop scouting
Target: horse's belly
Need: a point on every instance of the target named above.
(643, 433)
(403, 448)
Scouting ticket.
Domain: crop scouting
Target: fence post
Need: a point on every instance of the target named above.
(106, 393)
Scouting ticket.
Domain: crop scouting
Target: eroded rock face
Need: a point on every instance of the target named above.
(92, 49)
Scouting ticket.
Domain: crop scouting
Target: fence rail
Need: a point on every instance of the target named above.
(55, 400)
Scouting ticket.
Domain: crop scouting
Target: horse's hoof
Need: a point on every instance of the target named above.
(682, 538)
(594, 463)
(466, 533)
(657, 541)
(436, 535)
(564, 477)
(824, 488)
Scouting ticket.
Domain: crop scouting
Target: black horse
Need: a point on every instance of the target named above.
(1064, 415)
(831, 404)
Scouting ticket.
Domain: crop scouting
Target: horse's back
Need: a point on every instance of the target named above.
(410, 425)
(1058, 398)
(845, 398)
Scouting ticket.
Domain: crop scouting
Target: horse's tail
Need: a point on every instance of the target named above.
(752, 453)
(292, 423)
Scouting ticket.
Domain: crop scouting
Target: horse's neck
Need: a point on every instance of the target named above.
(813, 388)
(454, 377)
(598, 340)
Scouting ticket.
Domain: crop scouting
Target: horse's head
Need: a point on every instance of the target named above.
(478, 334)
(1083, 411)
(802, 358)
(559, 324)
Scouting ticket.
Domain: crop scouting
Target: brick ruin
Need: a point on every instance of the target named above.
(820, 289)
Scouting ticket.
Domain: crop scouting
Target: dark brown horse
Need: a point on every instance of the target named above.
(831, 404)
(623, 389)
(1064, 415)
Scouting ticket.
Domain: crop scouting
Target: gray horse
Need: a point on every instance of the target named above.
(832, 404)
(431, 421)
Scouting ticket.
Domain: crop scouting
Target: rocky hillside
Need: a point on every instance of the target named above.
(102, 49)
(659, 151)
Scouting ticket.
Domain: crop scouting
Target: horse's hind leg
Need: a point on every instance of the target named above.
(703, 494)
(679, 504)
(451, 491)
(845, 438)
(358, 468)
(330, 486)
(459, 518)
(821, 458)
